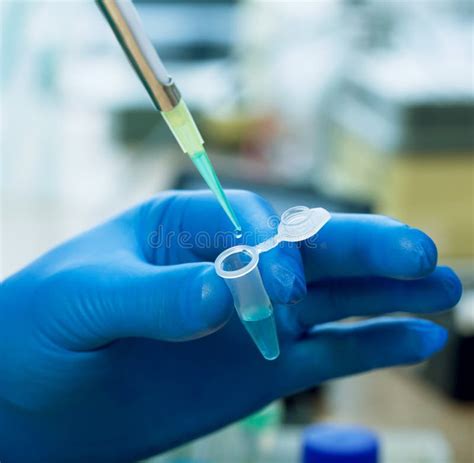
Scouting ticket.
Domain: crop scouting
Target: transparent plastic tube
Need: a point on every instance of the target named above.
(239, 268)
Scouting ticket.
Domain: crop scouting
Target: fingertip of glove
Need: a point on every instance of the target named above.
(413, 253)
(452, 285)
(427, 337)
(425, 252)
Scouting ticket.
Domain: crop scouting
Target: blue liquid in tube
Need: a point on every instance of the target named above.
(260, 324)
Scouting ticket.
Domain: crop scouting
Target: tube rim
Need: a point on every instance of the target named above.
(229, 274)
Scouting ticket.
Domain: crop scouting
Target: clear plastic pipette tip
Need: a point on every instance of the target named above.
(181, 123)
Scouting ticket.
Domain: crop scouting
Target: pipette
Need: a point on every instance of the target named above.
(128, 29)
(239, 268)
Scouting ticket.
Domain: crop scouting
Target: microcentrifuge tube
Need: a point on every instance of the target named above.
(238, 266)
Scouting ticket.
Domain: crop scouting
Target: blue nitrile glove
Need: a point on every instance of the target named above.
(123, 342)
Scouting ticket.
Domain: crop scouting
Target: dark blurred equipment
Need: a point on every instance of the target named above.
(451, 370)
(301, 408)
(336, 443)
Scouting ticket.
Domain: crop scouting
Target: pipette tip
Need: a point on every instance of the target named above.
(205, 168)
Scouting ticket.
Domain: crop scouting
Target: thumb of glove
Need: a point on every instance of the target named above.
(168, 303)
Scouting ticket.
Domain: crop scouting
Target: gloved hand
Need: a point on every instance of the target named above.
(123, 342)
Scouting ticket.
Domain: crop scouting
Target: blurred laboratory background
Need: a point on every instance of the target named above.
(353, 105)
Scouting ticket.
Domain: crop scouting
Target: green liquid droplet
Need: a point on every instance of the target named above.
(204, 166)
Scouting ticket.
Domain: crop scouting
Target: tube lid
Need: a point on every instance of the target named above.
(297, 224)
(300, 223)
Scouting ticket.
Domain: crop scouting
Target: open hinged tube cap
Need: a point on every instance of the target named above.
(239, 268)
(297, 224)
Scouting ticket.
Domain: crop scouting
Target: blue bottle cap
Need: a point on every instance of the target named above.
(335, 443)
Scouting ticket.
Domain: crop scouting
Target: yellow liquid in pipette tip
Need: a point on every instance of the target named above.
(204, 166)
